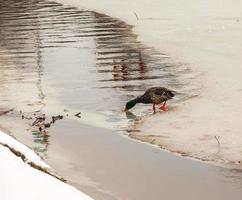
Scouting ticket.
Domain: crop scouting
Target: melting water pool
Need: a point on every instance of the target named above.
(56, 59)
(52, 55)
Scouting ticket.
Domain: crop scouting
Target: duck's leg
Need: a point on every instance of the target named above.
(163, 107)
(154, 107)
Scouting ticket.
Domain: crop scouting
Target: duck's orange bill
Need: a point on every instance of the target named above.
(124, 110)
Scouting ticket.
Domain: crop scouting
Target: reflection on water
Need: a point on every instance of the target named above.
(54, 57)
(130, 115)
(41, 139)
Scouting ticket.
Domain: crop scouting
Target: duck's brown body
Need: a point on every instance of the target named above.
(154, 95)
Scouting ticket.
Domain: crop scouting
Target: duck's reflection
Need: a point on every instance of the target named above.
(130, 115)
(120, 70)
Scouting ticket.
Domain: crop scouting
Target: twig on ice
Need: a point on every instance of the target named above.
(136, 16)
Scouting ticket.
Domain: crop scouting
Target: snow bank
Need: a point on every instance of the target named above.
(29, 155)
(20, 181)
(206, 35)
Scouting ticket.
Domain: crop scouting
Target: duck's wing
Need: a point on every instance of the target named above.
(150, 95)
(159, 91)
(163, 92)
(145, 98)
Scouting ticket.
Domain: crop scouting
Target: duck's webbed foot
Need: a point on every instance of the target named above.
(164, 107)
(154, 107)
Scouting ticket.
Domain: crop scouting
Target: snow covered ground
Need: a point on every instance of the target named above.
(20, 181)
(206, 35)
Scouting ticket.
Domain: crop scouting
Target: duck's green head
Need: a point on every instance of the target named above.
(130, 104)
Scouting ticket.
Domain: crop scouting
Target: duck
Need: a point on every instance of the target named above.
(154, 96)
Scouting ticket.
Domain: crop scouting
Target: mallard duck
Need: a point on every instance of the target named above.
(154, 95)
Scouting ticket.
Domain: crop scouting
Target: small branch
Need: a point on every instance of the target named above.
(136, 15)
(78, 114)
(5, 112)
(217, 138)
(219, 147)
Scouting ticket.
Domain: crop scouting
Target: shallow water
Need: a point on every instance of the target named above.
(81, 55)
(55, 58)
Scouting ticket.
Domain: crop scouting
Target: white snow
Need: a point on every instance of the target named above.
(20, 181)
(206, 35)
(29, 154)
